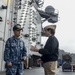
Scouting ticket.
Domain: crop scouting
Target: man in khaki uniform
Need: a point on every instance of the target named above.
(50, 51)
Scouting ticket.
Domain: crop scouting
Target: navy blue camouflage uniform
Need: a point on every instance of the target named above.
(14, 52)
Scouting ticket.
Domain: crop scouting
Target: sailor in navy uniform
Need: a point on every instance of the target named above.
(15, 53)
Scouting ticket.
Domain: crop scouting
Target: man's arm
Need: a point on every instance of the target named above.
(24, 54)
(7, 52)
(49, 48)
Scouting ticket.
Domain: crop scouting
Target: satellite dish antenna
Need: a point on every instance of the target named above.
(49, 10)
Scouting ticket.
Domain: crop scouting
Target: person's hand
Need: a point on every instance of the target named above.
(25, 61)
(9, 64)
(34, 49)
(24, 58)
(39, 61)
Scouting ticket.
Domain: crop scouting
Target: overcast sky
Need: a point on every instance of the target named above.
(65, 31)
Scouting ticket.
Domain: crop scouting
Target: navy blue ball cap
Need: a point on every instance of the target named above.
(17, 27)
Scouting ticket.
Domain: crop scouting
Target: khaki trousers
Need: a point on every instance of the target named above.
(50, 67)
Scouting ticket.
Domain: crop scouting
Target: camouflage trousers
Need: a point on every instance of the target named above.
(15, 70)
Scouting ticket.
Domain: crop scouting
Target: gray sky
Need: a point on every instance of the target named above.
(66, 26)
